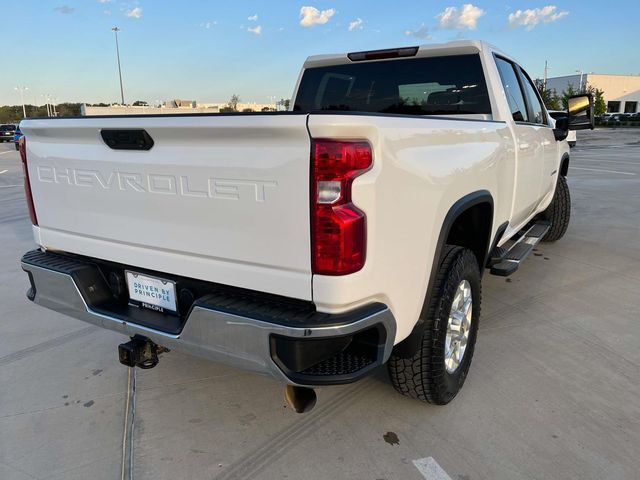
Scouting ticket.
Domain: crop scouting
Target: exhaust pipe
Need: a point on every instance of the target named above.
(300, 399)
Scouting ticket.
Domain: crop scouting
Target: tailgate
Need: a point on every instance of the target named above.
(219, 198)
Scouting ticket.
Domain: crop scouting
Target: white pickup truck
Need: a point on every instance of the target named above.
(312, 245)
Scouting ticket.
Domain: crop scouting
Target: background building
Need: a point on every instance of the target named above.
(87, 110)
(621, 92)
(174, 106)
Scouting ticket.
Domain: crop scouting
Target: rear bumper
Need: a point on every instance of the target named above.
(294, 345)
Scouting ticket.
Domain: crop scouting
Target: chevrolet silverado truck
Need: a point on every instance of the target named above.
(312, 245)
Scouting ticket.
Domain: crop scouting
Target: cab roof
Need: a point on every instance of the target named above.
(458, 47)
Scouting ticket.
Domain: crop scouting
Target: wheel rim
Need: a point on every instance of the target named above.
(458, 327)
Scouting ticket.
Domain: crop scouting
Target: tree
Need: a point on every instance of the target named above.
(13, 113)
(140, 103)
(285, 103)
(247, 110)
(599, 105)
(549, 97)
(233, 102)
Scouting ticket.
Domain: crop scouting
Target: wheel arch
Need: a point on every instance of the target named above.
(474, 207)
(564, 165)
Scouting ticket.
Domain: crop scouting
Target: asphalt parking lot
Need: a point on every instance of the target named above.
(553, 392)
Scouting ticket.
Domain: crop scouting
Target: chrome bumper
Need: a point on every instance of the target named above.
(216, 335)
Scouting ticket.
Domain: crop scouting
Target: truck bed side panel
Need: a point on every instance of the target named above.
(422, 166)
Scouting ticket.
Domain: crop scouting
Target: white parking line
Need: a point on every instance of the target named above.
(7, 151)
(603, 171)
(430, 469)
(10, 186)
(3, 171)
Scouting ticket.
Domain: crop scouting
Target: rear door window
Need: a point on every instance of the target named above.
(537, 112)
(446, 85)
(515, 97)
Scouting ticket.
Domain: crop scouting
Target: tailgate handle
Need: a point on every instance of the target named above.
(133, 139)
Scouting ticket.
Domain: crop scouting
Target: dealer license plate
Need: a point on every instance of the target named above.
(152, 292)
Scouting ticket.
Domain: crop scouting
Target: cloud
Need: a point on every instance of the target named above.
(65, 9)
(257, 30)
(355, 25)
(422, 32)
(253, 18)
(134, 13)
(208, 25)
(105, 1)
(107, 12)
(465, 17)
(531, 17)
(310, 16)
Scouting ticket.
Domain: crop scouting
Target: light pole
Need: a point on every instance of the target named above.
(272, 99)
(22, 89)
(116, 30)
(46, 99)
(581, 73)
(546, 74)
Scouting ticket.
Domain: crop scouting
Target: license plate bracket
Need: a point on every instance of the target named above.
(153, 293)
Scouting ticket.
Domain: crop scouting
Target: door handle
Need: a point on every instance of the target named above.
(523, 146)
(127, 139)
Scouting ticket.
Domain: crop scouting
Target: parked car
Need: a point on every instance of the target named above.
(16, 137)
(572, 137)
(312, 245)
(7, 132)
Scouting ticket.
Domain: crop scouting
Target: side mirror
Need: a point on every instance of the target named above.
(561, 129)
(580, 109)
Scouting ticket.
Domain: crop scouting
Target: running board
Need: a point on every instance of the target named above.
(509, 259)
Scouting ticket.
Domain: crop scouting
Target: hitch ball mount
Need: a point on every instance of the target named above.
(139, 352)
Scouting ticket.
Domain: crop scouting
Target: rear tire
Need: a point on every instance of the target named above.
(558, 212)
(428, 375)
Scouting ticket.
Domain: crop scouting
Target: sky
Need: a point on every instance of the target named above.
(208, 50)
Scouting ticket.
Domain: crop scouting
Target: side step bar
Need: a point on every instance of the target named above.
(505, 261)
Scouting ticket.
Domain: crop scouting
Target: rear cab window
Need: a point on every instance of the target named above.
(446, 85)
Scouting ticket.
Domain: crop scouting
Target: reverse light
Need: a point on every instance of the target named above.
(22, 147)
(338, 227)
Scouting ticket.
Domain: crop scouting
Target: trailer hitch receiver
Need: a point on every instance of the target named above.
(138, 352)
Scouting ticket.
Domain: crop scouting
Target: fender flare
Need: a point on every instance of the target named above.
(408, 347)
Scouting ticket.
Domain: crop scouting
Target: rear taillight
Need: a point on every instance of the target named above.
(338, 227)
(22, 146)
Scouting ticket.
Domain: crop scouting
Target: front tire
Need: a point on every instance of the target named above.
(437, 371)
(558, 212)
